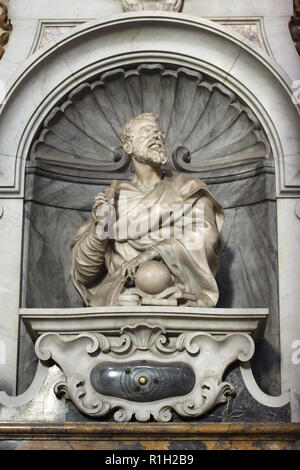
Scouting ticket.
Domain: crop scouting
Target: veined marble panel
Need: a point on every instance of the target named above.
(11, 211)
(249, 31)
(49, 30)
(53, 32)
(7, 171)
(289, 276)
(248, 276)
(252, 28)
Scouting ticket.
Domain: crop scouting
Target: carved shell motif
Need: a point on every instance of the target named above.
(206, 125)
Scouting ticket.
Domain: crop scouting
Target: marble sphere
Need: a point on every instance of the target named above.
(153, 277)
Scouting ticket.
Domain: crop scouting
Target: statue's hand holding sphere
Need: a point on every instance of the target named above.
(153, 277)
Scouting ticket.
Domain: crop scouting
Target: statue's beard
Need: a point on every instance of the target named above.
(153, 157)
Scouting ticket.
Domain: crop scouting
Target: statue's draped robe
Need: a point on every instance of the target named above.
(192, 257)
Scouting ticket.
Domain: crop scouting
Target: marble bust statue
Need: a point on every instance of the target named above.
(153, 240)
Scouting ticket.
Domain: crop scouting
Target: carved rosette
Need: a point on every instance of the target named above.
(142, 347)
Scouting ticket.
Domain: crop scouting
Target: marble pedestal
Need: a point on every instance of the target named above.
(142, 362)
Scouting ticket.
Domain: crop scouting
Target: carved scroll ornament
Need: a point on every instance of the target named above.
(203, 359)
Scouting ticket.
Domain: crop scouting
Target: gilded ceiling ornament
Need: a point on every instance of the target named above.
(165, 5)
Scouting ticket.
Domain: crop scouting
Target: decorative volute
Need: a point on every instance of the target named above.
(165, 5)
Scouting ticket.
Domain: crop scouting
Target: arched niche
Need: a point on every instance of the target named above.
(210, 133)
(233, 69)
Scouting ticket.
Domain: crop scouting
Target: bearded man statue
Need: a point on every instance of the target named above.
(153, 240)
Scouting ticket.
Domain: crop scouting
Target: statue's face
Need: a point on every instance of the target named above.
(147, 143)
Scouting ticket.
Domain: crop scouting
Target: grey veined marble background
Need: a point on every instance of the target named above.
(210, 133)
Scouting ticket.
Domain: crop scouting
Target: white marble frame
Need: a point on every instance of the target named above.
(100, 45)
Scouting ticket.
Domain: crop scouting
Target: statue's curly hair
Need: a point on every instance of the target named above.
(127, 129)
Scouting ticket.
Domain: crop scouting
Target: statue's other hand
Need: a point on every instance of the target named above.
(129, 269)
(101, 198)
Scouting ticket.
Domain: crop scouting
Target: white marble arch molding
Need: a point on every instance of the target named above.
(128, 39)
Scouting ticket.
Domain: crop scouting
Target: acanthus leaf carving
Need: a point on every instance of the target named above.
(145, 336)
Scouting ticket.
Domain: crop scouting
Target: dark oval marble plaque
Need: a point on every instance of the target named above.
(143, 380)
